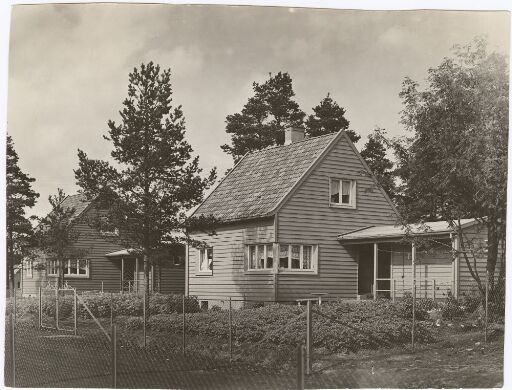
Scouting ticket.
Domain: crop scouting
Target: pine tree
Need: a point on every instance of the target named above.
(374, 153)
(156, 180)
(20, 195)
(265, 116)
(329, 118)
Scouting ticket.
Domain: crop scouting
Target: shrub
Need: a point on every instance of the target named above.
(422, 307)
(451, 308)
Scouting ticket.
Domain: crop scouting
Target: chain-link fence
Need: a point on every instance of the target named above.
(94, 339)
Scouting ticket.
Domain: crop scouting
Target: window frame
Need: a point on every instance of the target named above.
(353, 193)
(256, 246)
(30, 269)
(52, 265)
(77, 275)
(201, 253)
(314, 259)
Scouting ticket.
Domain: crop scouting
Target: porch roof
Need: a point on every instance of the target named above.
(122, 252)
(397, 233)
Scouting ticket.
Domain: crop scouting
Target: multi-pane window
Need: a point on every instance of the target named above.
(76, 268)
(260, 256)
(206, 260)
(342, 192)
(297, 257)
(51, 267)
(30, 268)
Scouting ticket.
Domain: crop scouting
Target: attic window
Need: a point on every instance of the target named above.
(343, 193)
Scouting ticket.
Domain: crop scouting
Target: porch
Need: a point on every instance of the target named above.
(131, 272)
(392, 262)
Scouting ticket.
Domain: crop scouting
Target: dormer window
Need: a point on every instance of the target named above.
(342, 193)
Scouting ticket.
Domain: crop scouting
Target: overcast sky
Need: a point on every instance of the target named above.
(69, 65)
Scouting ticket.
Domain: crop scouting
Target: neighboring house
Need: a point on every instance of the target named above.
(296, 220)
(105, 265)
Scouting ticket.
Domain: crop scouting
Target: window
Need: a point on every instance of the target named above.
(76, 268)
(297, 257)
(109, 232)
(30, 268)
(206, 260)
(51, 268)
(343, 193)
(260, 256)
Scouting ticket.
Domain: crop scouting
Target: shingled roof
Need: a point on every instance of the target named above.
(257, 184)
(78, 202)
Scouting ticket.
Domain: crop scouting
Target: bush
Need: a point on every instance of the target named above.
(451, 308)
(422, 307)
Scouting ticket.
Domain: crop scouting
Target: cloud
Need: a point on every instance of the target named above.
(183, 61)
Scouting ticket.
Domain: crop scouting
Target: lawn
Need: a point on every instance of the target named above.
(263, 351)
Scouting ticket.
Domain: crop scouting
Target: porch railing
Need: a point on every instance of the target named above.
(128, 286)
(425, 288)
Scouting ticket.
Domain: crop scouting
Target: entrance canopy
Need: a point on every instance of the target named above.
(393, 233)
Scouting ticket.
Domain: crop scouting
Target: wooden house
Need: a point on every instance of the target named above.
(105, 266)
(306, 218)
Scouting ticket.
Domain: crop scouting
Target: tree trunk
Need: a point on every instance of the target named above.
(146, 283)
(10, 266)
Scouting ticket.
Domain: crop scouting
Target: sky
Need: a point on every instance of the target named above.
(69, 64)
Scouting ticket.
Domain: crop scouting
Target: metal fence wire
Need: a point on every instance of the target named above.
(64, 338)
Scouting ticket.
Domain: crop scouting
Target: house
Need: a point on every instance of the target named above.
(105, 266)
(309, 218)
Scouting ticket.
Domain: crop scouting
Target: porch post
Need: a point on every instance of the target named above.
(122, 274)
(375, 268)
(413, 257)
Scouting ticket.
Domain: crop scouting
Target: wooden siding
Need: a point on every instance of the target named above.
(306, 217)
(433, 268)
(229, 277)
(172, 279)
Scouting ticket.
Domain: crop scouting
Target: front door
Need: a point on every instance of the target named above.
(129, 275)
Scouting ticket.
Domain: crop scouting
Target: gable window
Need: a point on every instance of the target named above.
(298, 257)
(343, 193)
(51, 268)
(260, 256)
(76, 268)
(206, 260)
(30, 268)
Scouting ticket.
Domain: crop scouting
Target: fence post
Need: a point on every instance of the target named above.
(40, 308)
(14, 301)
(144, 314)
(413, 311)
(230, 332)
(111, 309)
(184, 324)
(393, 290)
(309, 338)
(300, 367)
(75, 308)
(102, 286)
(486, 304)
(57, 307)
(434, 291)
(13, 346)
(114, 356)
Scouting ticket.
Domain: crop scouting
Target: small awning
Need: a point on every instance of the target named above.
(397, 233)
(123, 252)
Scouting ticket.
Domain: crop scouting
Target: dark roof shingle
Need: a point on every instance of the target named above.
(261, 179)
(79, 202)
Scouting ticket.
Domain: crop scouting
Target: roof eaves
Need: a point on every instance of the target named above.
(306, 173)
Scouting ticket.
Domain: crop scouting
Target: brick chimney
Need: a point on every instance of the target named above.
(293, 134)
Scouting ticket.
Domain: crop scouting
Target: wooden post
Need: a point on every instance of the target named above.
(309, 337)
(40, 307)
(13, 341)
(75, 308)
(230, 332)
(122, 274)
(393, 290)
(434, 289)
(413, 260)
(144, 314)
(184, 324)
(57, 307)
(102, 286)
(114, 356)
(486, 304)
(136, 275)
(375, 268)
(111, 309)
(300, 367)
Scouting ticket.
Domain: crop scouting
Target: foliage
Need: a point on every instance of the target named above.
(328, 117)
(156, 179)
(421, 307)
(374, 154)
(19, 196)
(454, 165)
(56, 234)
(264, 117)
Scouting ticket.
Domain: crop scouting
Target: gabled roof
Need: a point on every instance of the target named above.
(256, 186)
(399, 232)
(79, 202)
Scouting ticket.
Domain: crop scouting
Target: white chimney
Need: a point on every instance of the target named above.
(293, 134)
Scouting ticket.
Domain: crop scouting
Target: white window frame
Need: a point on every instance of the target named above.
(353, 193)
(289, 269)
(52, 268)
(30, 269)
(266, 247)
(67, 265)
(203, 253)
